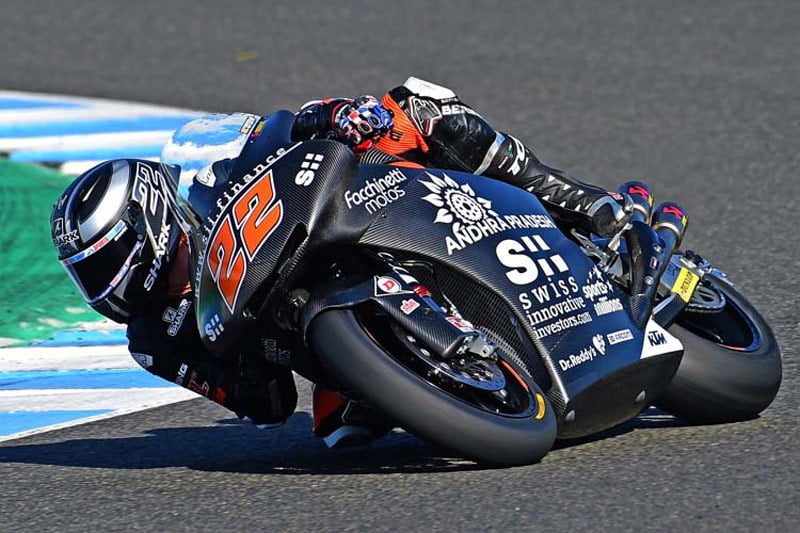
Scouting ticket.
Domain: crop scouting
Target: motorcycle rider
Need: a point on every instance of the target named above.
(123, 248)
(428, 124)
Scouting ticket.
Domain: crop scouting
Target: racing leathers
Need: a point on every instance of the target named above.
(433, 127)
(163, 338)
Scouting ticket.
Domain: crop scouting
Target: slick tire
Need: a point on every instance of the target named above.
(717, 383)
(364, 367)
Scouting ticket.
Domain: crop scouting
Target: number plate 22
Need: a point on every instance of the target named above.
(243, 230)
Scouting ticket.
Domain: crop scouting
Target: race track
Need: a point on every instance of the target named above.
(698, 99)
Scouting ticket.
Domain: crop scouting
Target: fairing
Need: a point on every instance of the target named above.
(241, 213)
(247, 219)
(502, 238)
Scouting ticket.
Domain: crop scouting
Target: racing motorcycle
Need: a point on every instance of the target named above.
(454, 303)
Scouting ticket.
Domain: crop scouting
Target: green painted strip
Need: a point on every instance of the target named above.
(37, 297)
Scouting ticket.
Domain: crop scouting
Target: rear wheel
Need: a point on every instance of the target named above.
(486, 410)
(731, 366)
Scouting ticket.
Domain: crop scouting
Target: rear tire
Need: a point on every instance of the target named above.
(731, 366)
(353, 355)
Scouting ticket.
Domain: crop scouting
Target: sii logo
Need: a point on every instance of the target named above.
(310, 164)
(214, 328)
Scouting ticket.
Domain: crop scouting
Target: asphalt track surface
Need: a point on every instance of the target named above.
(698, 99)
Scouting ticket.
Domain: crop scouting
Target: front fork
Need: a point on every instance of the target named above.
(412, 305)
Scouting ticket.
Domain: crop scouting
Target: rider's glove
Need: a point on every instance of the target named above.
(362, 122)
(609, 213)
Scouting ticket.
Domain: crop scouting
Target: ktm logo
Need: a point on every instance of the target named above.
(656, 338)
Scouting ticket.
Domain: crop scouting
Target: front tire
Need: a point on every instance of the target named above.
(731, 366)
(353, 355)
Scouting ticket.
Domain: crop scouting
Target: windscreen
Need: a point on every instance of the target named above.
(188, 158)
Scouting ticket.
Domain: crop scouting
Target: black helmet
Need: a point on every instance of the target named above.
(115, 234)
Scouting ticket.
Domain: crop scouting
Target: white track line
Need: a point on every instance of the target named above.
(83, 100)
(72, 142)
(151, 404)
(87, 399)
(65, 358)
(45, 115)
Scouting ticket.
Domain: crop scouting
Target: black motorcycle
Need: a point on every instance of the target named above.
(455, 305)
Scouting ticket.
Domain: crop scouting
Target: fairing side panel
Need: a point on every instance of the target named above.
(503, 238)
(248, 213)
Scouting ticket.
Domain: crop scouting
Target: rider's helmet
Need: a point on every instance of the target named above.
(115, 235)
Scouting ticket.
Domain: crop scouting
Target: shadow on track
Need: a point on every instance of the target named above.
(235, 447)
(651, 418)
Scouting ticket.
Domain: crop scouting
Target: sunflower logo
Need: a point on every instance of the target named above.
(458, 204)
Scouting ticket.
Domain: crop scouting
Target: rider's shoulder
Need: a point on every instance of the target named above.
(419, 87)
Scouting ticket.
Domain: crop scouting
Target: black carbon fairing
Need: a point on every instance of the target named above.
(251, 214)
(505, 264)
(502, 239)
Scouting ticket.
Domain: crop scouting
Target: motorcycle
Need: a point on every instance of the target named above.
(454, 303)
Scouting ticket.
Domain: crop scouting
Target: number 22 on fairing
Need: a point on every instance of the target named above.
(244, 229)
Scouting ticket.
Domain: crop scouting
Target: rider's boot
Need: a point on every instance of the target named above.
(262, 392)
(342, 423)
(569, 200)
(452, 135)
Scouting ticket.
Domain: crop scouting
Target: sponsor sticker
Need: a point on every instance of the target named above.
(599, 290)
(471, 218)
(685, 284)
(175, 317)
(463, 325)
(656, 338)
(574, 360)
(409, 306)
(556, 306)
(658, 341)
(213, 328)
(248, 124)
(617, 337)
(259, 128)
(377, 193)
(599, 343)
(60, 237)
(388, 285)
(527, 258)
(305, 176)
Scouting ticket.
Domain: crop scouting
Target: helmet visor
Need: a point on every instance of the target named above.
(99, 269)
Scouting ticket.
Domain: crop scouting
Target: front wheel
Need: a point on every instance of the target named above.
(731, 366)
(371, 357)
